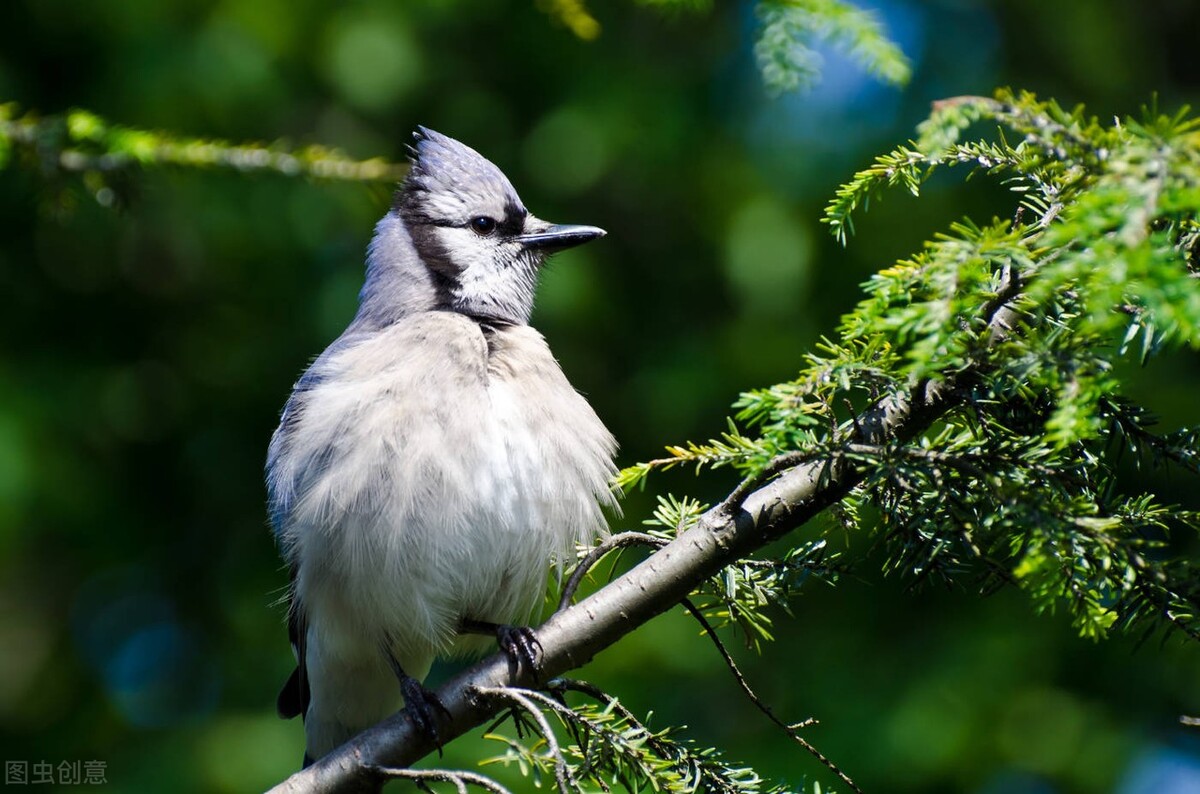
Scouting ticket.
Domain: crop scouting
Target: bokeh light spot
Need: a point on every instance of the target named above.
(156, 670)
(371, 59)
(241, 752)
(1042, 730)
(767, 256)
(568, 151)
(159, 676)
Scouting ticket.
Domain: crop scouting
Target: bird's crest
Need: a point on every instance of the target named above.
(443, 166)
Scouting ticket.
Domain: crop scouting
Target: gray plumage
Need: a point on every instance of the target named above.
(434, 462)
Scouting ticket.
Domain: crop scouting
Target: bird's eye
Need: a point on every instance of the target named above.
(483, 225)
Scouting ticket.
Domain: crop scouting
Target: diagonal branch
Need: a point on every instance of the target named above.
(728, 532)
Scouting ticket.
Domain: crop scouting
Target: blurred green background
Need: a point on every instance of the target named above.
(147, 350)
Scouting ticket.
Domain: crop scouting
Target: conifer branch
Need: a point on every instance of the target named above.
(571, 638)
(81, 142)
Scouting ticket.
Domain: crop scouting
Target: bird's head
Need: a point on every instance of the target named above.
(482, 247)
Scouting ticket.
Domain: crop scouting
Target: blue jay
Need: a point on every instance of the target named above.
(433, 464)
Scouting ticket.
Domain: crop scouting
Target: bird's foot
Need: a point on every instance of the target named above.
(424, 706)
(521, 646)
(519, 643)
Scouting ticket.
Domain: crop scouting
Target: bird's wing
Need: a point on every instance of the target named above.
(293, 698)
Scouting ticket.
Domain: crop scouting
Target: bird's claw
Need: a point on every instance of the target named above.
(423, 706)
(521, 646)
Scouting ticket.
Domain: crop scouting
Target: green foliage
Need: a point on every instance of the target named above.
(1019, 482)
(610, 748)
(785, 48)
(740, 595)
(731, 448)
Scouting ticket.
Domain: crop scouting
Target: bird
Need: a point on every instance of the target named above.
(433, 465)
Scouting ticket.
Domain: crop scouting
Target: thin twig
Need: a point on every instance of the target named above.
(575, 722)
(777, 465)
(790, 730)
(620, 540)
(1130, 425)
(460, 779)
(562, 773)
(662, 749)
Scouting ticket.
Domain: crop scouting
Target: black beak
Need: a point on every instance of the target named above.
(560, 237)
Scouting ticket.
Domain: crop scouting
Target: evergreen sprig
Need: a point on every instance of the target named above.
(80, 143)
(1018, 483)
(740, 595)
(609, 747)
(786, 48)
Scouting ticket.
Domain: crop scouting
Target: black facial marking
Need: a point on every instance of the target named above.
(436, 258)
(513, 210)
(432, 251)
(513, 222)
